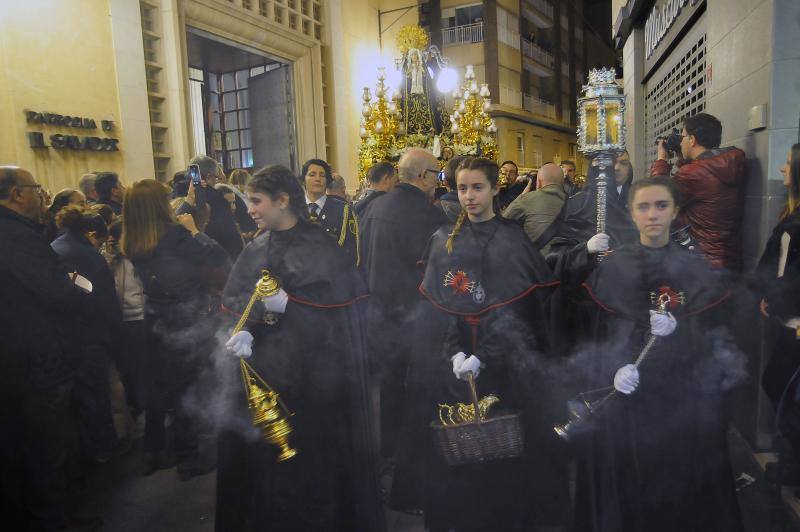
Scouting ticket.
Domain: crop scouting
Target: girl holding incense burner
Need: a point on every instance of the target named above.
(659, 458)
(306, 340)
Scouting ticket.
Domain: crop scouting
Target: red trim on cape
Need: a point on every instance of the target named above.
(490, 307)
(223, 308)
(594, 298)
(725, 296)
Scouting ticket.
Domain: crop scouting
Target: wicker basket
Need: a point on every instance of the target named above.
(480, 441)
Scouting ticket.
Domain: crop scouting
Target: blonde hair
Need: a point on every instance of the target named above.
(146, 216)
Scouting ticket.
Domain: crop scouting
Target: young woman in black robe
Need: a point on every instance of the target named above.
(482, 310)
(658, 459)
(314, 357)
(779, 273)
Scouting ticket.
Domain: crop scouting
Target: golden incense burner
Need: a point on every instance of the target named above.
(270, 414)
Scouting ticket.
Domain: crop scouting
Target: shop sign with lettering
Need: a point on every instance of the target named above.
(61, 141)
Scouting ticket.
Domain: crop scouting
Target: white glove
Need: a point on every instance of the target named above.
(627, 379)
(241, 344)
(472, 364)
(598, 243)
(276, 302)
(662, 324)
(458, 359)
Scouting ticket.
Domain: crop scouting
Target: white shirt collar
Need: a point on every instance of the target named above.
(320, 201)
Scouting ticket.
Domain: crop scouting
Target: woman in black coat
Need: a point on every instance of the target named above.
(779, 273)
(81, 234)
(180, 268)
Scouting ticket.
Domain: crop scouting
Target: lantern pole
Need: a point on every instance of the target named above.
(595, 141)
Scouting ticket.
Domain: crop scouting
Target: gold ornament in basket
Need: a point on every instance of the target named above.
(461, 437)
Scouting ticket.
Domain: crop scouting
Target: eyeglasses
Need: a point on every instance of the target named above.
(30, 186)
(437, 172)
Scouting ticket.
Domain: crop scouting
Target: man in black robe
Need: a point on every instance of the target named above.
(314, 357)
(395, 230)
(576, 250)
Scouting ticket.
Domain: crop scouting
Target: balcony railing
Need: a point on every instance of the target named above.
(537, 53)
(538, 106)
(470, 33)
(542, 6)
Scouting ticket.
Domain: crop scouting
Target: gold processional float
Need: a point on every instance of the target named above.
(269, 412)
(415, 115)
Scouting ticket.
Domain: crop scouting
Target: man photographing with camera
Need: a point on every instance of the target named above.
(711, 183)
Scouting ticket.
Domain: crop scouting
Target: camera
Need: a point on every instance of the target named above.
(672, 143)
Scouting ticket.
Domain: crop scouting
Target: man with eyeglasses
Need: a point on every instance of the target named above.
(36, 296)
(395, 230)
(711, 182)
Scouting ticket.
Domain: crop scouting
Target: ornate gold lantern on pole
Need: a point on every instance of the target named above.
(601, 130)
(470, 123)
(381, 124)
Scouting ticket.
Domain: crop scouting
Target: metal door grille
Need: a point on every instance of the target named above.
(675, 94)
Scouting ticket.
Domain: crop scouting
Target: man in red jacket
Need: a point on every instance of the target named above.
(711, 182)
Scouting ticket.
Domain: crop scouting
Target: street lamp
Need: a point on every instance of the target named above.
(601, 130)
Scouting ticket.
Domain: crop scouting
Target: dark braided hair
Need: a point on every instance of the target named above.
(276, 179)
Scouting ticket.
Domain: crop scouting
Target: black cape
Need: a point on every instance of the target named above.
(658, 460)
(314, 357)
(486, 298)
(571, 261)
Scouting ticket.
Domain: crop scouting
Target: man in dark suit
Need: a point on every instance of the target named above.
(395, 231)
(38, 301)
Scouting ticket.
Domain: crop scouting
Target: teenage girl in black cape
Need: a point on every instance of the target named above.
(658, 459)
(314, 357)
(484, 292)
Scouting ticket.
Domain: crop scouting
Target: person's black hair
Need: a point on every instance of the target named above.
(572, 163)
(102, 210)
(705, 128)
(655, 181)
(104, 183)
(276, 179)
(81, 220)
(319, 162)
(509, 162)
(451, 169)
(378, 171)
(61, 200)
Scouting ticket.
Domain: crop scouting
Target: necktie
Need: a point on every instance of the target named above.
(313, 209)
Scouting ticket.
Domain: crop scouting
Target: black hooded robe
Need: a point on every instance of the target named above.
(314, 357)
(658, 459)
(486, 298)
(571, 261)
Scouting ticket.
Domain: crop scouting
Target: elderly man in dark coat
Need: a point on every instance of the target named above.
(395, 231)
(36, 295)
